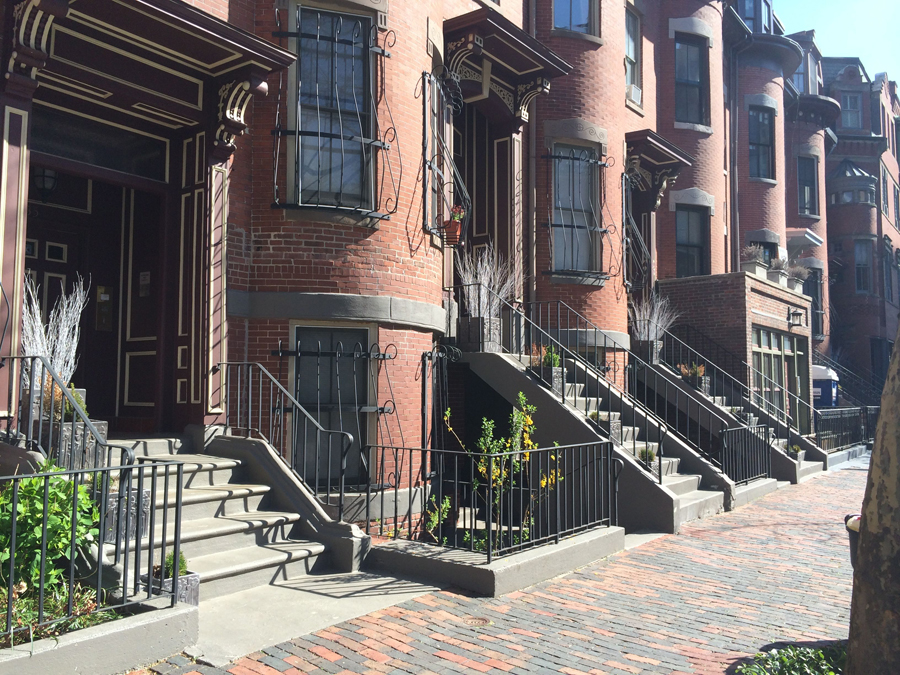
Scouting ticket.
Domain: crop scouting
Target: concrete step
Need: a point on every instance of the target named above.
(670, 465)
(214, 500)
(603, 417)
(231, 571)
(155, 446)
(681, 484)
(699, 504)
(808, 469)
(744, 494)
(205, 536)
(203, 470)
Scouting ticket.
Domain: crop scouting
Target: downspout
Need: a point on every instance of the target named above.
(733, 151)
(531, 246)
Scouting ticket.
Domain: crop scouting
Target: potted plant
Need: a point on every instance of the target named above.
(649, 322)
(647, 455)
(778, 272)
(453, 227)
(795, 453)
(797, 274)
(488, 281)
(188, 590)
(696, 376)
(547, 359)
(753, 260)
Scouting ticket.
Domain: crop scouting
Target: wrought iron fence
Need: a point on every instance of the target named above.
(258, 406)
(840, 428)
(747, 453)
(491, 503)
(79, 546)
(488, 323)
(43, 415)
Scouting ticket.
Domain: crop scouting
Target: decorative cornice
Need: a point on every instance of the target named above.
(32, 20)
(527, 92)
(457, 51)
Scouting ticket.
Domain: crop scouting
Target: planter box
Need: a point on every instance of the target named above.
(479, 334)
(62, 445)
(755, 267)
(188, 587)
(129, 506)
(699, 382)
(648, 350)
(797, 456)
(555, 374)
(795, 285)
(779, 277)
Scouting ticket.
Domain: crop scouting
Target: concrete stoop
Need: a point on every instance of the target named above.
(470, 570)
(845, 455)
(744, 494)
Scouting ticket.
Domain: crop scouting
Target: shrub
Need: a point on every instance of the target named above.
(693, 370)
(170, 564)
(647, 455)
(778, 264)
(793, 660)
(551, 358)
(798, 272)
(753, 253)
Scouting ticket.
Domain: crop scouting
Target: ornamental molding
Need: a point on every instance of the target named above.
(32, 21)
(234, 97)
(692, 197)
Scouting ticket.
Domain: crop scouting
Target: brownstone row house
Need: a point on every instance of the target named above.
(270, 199)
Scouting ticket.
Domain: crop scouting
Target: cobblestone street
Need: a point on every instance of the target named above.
(775, 570)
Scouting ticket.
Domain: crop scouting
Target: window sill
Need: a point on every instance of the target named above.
(810, 216)
(700, 128)
(634, 107)
(333, 216)
(587, 37)
(767, 181)
(597, 279)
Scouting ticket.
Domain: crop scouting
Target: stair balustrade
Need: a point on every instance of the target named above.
(694, 420)
(43, 415)
(862, 391)
(491, 323)
(258, 406)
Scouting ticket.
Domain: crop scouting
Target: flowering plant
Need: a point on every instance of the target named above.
(457, 213)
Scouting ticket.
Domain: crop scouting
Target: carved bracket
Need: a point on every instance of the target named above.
(650, 186)
(457, 51)
(527, 92)
(32, 20)
(234, 97)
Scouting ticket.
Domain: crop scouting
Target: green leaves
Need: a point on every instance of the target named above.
(793, 660)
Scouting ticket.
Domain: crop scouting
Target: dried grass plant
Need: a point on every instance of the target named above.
(652, 318)
(486, 268)
(57, 339)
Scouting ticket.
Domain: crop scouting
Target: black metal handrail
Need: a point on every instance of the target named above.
(499, 326)
(727, 361)
(258, 405)
(58, 527)
(865, 392)
(44, 416)
(840, 428)
(693, 421)
(747, 453)
(492, 503)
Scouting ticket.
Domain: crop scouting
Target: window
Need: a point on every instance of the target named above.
(863, 256)
(748, 13)
(766, 16)
(850, 113)
(808, 179)
(632, 48)
(885, 200)
(575, 226)
(574, 15)
(897, 207)
(762, 130)
(888, 277)
(691, 225)
(846, 197)
(335, 160)
(691, 80)
(799, 77)
(812, 287)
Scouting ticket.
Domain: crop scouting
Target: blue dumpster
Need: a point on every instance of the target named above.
(825, 387)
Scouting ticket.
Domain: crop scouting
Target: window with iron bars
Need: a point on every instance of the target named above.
(443, 187)
(332, 150)
(812, 287)
(575, 220)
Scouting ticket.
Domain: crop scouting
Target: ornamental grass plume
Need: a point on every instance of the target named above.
(487, 280)
(652, 318)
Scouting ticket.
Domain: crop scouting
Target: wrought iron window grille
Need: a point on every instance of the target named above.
(335, 141)
(637, 253)
(442, 182)
(576, 227)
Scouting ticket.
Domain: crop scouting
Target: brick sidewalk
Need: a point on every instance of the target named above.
(777, 569)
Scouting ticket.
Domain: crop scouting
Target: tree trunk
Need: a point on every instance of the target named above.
(874, 647)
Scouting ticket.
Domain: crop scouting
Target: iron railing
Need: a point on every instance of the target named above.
(727, 361)
(43, 415)
(492, 503)
(858, 384)
(498, 326)
(53, 526)
(258, 406)
(747, 453)
(839, 428)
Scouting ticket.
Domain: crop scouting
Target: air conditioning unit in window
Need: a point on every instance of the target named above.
(633, 93)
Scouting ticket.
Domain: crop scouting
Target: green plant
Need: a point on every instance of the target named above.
(436, 515)
(551, 358)
(79, 400)
(58, 520)
(647, 455)
(793, 660)
(170, 564)
(693, 370)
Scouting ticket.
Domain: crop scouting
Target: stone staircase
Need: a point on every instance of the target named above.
(232, 533)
